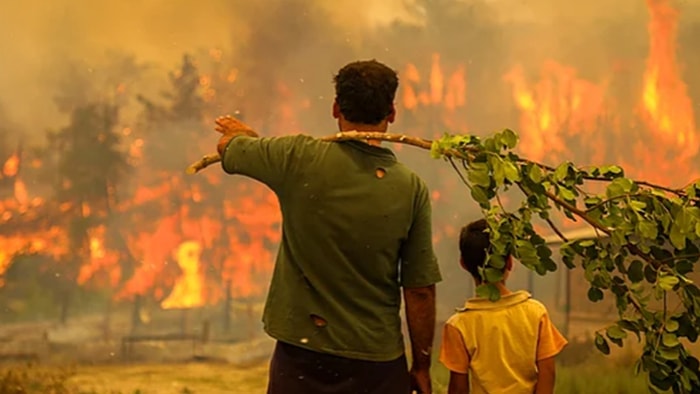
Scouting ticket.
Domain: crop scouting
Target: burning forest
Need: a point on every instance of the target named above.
(98, 217)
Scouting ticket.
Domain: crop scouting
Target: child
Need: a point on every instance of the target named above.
(507, 346)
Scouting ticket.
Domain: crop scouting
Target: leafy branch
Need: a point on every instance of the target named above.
(645, 246)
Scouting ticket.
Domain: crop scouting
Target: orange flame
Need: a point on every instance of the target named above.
(559, 105)
(11, 166)
(187, 292)
(445, 92)
(666, 106)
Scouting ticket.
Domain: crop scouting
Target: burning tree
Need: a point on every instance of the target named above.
(87, 165)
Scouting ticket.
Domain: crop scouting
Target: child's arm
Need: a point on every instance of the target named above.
(550, 344)
(459, 383)
(454, 356)
(545, 376)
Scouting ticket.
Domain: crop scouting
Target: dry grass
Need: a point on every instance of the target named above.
(583, 375)
(194, 378)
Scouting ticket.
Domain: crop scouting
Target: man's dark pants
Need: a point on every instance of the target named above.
(294, 370)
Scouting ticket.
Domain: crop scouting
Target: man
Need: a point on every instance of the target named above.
(356, 229)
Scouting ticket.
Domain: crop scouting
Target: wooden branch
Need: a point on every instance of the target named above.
(208, 160)
(203, 163)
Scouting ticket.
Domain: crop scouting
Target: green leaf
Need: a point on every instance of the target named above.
(436, 149)
(566, 194)
(509, 138)
(493, 275)
(488, 291)
(636, 271)
(586, 243)
(649, 274)
(619, 187)
(638, 206)
(479, 195)
(601, 344)
(672, 325)
(536, 174)
(611, 171)
(496, 261)
(615, 332)
(677, 236)
(667, 282)
(647, 229)
(562, 172)
(595, 294)
(499, 174)
(684, 266)
(511, 171)
(479, 174)
(670, 340)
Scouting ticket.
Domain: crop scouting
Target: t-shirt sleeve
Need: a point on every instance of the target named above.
(550, 342)
(270, 160)
(419, 266)
(453, 351)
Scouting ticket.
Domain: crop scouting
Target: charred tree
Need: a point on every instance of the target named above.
(87, 165)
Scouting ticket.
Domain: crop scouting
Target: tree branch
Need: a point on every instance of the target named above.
(208, 160)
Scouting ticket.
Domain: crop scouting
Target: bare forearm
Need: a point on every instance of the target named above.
(420, 318)
(546, 376)
(459, 383)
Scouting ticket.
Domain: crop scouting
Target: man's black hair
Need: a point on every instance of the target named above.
(365, 91)
(473, 246)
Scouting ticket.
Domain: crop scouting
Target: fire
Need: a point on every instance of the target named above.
(99, 259)
(11, 166)
(187, 292)
(563, 117)
(558, 106)
(666, 105)
(188, 239)
(448, 93)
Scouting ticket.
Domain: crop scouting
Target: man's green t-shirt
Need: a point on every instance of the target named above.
(356, 228)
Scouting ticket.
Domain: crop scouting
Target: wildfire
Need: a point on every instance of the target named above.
(447, 94)
(218, 239)
(11, 166)
(666, 106)
(559, 105)
(187, 292)
(563, 117)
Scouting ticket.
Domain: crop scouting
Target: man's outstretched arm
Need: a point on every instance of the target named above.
(273, 161)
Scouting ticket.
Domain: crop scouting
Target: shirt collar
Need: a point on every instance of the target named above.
(372, 149)
(505, 301)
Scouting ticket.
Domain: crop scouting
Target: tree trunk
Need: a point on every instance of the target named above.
(227, 308)
(136, 313)
(66, 298)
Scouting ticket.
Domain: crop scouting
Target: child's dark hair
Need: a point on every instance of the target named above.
(473, 246)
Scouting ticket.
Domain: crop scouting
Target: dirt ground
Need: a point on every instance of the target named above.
(193, 378)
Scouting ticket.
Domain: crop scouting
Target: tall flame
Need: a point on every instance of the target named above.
(188, 291)
(667, 108)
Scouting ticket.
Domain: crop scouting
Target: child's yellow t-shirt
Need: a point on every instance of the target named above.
(499, 343)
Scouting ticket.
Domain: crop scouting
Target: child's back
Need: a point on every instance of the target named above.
(500, 343)
(507, 346)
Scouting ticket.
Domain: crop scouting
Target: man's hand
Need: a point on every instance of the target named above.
(230, 127)
(420, 381)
